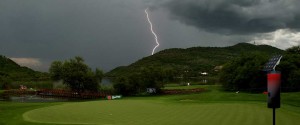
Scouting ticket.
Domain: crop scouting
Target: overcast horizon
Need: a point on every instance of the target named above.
(112, 33)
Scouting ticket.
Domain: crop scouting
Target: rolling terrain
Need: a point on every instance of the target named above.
(195, 59)
(11, 70)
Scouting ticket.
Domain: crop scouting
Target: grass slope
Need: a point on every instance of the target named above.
(209, 108)
(141, 112)
(11, 112)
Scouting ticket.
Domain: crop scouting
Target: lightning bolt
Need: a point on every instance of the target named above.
(151, 28)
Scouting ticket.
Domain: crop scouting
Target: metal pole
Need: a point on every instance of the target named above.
(273, 116)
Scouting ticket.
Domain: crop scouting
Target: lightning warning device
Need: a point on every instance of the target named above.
(274, 83)
(272, 63)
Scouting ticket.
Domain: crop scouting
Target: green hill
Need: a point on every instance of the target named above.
(11, 70)
(193, 60)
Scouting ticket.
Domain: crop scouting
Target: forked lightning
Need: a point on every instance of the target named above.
(151, 28)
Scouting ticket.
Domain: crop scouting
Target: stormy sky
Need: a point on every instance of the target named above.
(111, 33)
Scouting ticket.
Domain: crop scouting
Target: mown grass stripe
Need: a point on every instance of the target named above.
(147, 112)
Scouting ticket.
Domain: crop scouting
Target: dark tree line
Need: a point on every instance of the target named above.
(138, 82)
(5, 81)
(245, 72)
(290, 69)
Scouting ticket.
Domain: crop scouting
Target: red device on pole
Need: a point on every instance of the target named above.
(274, 81)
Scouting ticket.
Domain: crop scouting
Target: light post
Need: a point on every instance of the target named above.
(204, 74)
(186, 76)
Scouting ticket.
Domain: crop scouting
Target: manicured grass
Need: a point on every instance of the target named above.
(33, 84)
(213, 107)
(183, 87)
(11, 112)
(177, 86)
(146, 112)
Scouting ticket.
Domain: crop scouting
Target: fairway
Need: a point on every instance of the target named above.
(154, 112)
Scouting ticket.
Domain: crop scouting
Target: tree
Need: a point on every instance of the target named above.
(99, 74)
(5, 81)
(290, 69)
(244, 72)
(56, 70)
(121, 85)
(76, 75)
(293, 50)
(153, 77)
(138, 82)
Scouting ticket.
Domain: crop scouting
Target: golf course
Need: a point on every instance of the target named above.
(150, 62)
(212, 107)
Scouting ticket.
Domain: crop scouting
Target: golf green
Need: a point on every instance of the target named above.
(153, 112)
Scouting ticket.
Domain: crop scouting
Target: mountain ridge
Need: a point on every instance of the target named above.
(194, 59)
(12, 70)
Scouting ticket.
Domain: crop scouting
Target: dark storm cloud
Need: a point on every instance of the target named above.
(106, 33)
(111, 33)
(237, 16)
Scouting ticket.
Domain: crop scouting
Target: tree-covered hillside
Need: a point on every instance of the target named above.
(193, 61)
(14, 72)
